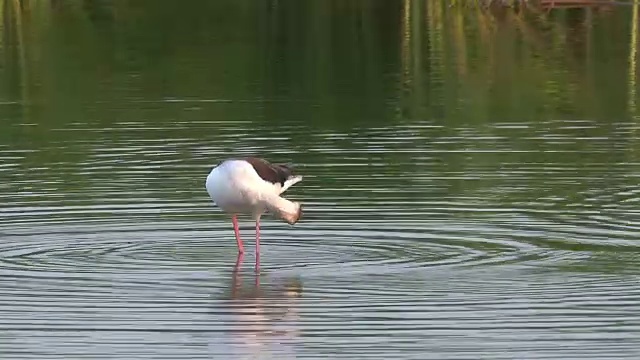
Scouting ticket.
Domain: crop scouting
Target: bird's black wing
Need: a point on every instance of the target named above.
(273, 173)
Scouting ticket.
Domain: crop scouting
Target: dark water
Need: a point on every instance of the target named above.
(471, 181)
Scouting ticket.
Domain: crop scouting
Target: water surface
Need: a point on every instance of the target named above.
(471, 181)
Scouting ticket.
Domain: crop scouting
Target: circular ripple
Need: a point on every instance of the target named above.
(413, 230)
(311, 247)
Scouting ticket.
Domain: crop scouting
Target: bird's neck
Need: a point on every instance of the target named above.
(288, 211)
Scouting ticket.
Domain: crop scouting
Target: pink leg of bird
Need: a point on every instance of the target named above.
(237, 231)
(258, 246)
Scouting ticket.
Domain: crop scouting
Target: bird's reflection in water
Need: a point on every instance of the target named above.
(273, 297)
(263, 311)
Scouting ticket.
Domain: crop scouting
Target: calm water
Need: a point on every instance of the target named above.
(471, 181)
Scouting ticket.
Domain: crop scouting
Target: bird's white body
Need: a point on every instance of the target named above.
(236, 188)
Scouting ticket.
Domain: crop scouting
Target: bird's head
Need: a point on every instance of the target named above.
(293, 217)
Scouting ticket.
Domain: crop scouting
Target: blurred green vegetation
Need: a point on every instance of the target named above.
(418, 59)
(324, 65)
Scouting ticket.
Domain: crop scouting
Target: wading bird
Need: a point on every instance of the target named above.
(252, 186)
